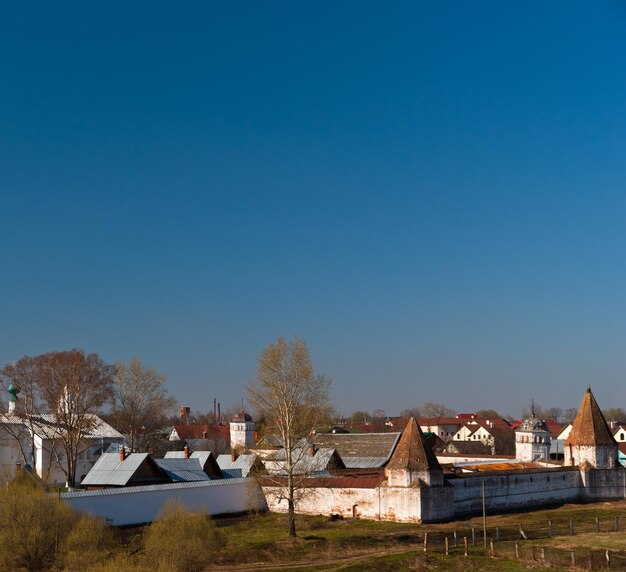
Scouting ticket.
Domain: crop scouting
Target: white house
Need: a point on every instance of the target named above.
(44, 450)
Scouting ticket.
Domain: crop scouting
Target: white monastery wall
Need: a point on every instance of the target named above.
(345, 501)
(398, 504)
(604, 484)
(516, 490)
(138, 505)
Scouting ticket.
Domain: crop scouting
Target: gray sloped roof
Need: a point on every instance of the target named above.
(45, 426)
(202, 456)
(304, 463)
(158, 487)
(362, 445)
(364, 462)
(240, 467)
(183, 470)
(110, 470)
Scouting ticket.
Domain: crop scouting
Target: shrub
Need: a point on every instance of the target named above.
(89, 543)
(33, 525)
(180, 540)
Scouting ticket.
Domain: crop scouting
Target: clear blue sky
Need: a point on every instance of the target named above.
(432, 194)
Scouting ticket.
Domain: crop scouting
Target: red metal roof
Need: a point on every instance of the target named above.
(198, 431)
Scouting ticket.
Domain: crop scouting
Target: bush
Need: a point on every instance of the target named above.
(89, 543)
(33, 525)
(180, 540)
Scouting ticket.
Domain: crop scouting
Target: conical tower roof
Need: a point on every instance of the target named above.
(590, 428)
(412, 452)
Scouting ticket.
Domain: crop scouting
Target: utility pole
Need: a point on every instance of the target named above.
(484, 518)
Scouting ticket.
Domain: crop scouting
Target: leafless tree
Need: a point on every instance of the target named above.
(293, 401)
(433, 409)
(141, 401)
(359, 418)
(411, 412)
(569, 415)
(614, 414)
(547, 413)
(25, 422)
(74, 386)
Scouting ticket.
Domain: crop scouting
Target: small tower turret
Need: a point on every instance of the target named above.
(532, 440)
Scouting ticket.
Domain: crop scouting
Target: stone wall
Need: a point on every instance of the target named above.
(519, 489)
(602, 484)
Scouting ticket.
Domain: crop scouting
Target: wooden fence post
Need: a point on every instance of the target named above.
(447, 547)
(550, 528)
(425, 541)
(493, 552)
(597, 524)
(573, 556)
(522, 534)
(497, 533)
(608, 559)
(571, 527)
(517, 550)
(456, 544)
(473, 536)
(543, 553)
(465, 544)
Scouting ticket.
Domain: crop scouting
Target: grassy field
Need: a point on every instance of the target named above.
(261, 543)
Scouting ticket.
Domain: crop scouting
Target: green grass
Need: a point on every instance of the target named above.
(351, 545)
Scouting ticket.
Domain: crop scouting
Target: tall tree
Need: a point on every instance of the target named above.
(294, 401)
(140, 401)
(25, 421)
(74, 386)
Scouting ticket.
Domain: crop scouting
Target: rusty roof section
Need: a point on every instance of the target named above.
(412, 451)
(590, 428)
(357, 479)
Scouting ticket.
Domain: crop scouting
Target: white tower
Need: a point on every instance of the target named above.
(532, 440)
(241, 431)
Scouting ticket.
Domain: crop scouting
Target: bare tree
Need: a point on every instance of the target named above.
(548, 413)
(569, 415)
(74, 386)
(359, 418)
(293, 400)
(614, 414)
(433, 409)
(378, 419)
(411, 412)
(141, 401)
(24, 423)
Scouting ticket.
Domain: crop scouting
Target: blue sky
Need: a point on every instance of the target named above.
(432, 195)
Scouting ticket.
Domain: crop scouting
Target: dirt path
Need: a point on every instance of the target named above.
(334, 563)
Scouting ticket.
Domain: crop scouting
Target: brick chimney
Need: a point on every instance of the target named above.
(312, 451)
(186, 452)
(233, 454)
(122, 453)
